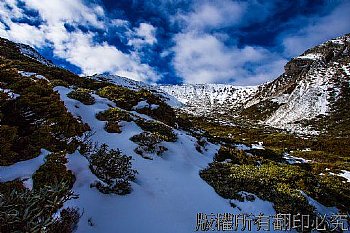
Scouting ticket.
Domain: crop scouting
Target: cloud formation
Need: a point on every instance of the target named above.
(143, 35)
(76, 46)
(203, 58)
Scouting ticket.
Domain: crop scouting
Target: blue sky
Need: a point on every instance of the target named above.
(174, 41)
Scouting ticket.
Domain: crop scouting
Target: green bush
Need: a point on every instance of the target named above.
(122, 96)
(8, 136)
(113, 116)
(67, 223)
(113, 169)
(163, 131)
(82, 95)
(200, 144)
(112, 127)
(58, 82)
(236, 156)
(332, 190)
(148, 143)
(273, 182)
(54, 170)
(38, 119)
(267, 154)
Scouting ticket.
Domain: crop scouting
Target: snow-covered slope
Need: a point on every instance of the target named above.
(168, 192)
(204, 98)
(32, 53)
(121, 81)
(137, 85)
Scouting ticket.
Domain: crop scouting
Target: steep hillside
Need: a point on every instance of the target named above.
(311, 87)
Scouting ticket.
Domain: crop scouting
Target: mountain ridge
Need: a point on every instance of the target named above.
(307, 90)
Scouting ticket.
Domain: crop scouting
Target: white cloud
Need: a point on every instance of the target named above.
(77, 47)
(203, 58)
(99, 58)
(145, 34)
(19, 32)
(25, 33)
(71, 11)
(7, 6)
(318, 30)
(201, 54)
(212, 14)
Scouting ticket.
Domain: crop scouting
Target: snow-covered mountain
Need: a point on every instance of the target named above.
(208, 98)
(309, 88)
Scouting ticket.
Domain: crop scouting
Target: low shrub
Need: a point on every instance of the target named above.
(37, 119)
(148, 143)
(163, 131)
(23, 210)
(123, 97)
(54, 170)
(113, 169)
(267, 154)
(127, 99)
(235, 156)
(200, 144)
(113, 116)
(273, 182)
(67, 222)
(112, 127)
(82, 95)
(8, 136)
(58, 82)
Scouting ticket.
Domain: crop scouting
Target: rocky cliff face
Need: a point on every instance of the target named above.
(311, 86)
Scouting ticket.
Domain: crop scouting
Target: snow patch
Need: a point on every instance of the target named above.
(344, 173)
(10, 93)
(346, 70)
(242, 147)
(144, 104)
(321, 209)
(294, 160)
(311, 56)
(23, 169)
(258, 146)
(31, 74)
(141, 104)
